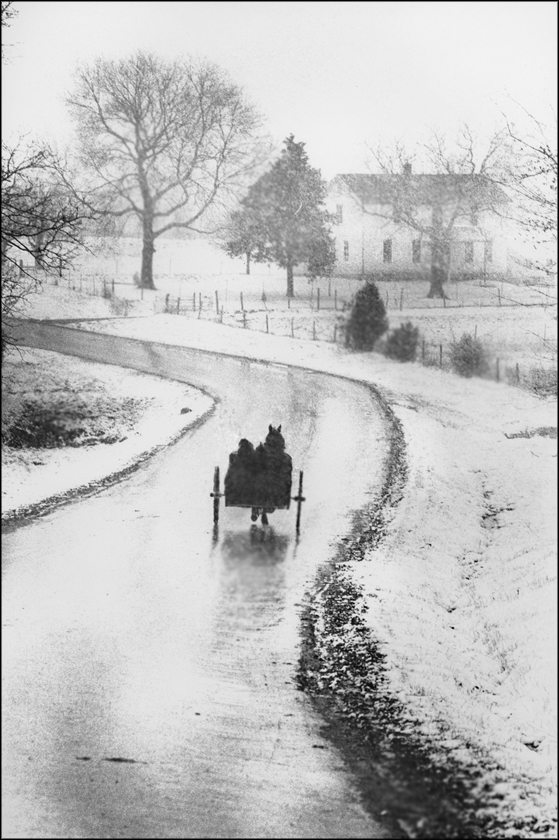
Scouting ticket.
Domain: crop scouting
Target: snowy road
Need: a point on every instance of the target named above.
(130, 633)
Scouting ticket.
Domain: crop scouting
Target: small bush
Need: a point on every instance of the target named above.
(542, 381)
(401, 344)
(367, 320)
(467, 356)
(136, 278)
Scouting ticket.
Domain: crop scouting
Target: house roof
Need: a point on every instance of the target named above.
(422, 188)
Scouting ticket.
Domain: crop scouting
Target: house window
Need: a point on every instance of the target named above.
(416, 250)
(488, 251)
(346, 250)
(387, 251)
(468, 252)
(339, 214)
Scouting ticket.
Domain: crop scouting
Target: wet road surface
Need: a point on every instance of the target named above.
(148, 666)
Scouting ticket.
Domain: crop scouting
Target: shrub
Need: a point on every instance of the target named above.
(401, 344)
(542, 381)
(136, 278)
(467, 356)
(367, 320)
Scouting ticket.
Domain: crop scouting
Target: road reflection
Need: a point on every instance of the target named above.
(252, 577)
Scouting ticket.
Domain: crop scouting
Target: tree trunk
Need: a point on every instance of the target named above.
(437, 280)
(37, 250)
(290, 292)
(248, 262)
(439, 269)
(148, 248)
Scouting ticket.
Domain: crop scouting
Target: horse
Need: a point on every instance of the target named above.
(274, 473)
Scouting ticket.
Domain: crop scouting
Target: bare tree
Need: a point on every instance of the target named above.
(8, 14)
(41, 217)
(461, 187)
(41, 221)
(161, 140)
(530, 176)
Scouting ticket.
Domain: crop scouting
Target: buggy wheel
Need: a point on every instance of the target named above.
(216, 495)
(299, 498)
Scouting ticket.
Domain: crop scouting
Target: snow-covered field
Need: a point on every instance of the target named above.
(464, 583)
(516, 323)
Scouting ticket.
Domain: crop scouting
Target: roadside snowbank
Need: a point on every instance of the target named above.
(33, 475)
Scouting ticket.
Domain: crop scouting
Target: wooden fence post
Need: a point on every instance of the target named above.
(335, 333)
(517, 373)
(314, 330)
(401, 299)
(167, 302)
(242, 303)
(335, 298)
(221, 315)
(244, 319)
(497, 372)
(178, 306)
(216, 302)
(499, 295)
(440, 355)
(199, 303)
(329, 288)
(194, 301)
(292, 332)
(267, 324)
(317, 300)
(113, 286)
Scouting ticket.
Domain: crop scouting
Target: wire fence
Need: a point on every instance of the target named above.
(318, 315)
(321, 295)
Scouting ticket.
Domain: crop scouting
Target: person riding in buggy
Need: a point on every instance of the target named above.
(259, 478)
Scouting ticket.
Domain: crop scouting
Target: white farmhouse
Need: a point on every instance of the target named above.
(384, 224)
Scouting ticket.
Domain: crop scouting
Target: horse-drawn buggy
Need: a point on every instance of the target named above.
(259, 478)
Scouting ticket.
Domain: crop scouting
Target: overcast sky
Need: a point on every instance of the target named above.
(340, 76)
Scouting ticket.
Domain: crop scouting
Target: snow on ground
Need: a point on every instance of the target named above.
(32, 475)
(464, 582)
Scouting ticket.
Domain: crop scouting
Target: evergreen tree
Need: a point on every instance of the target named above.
(285, 212)
(401, 344)
(367, 320)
